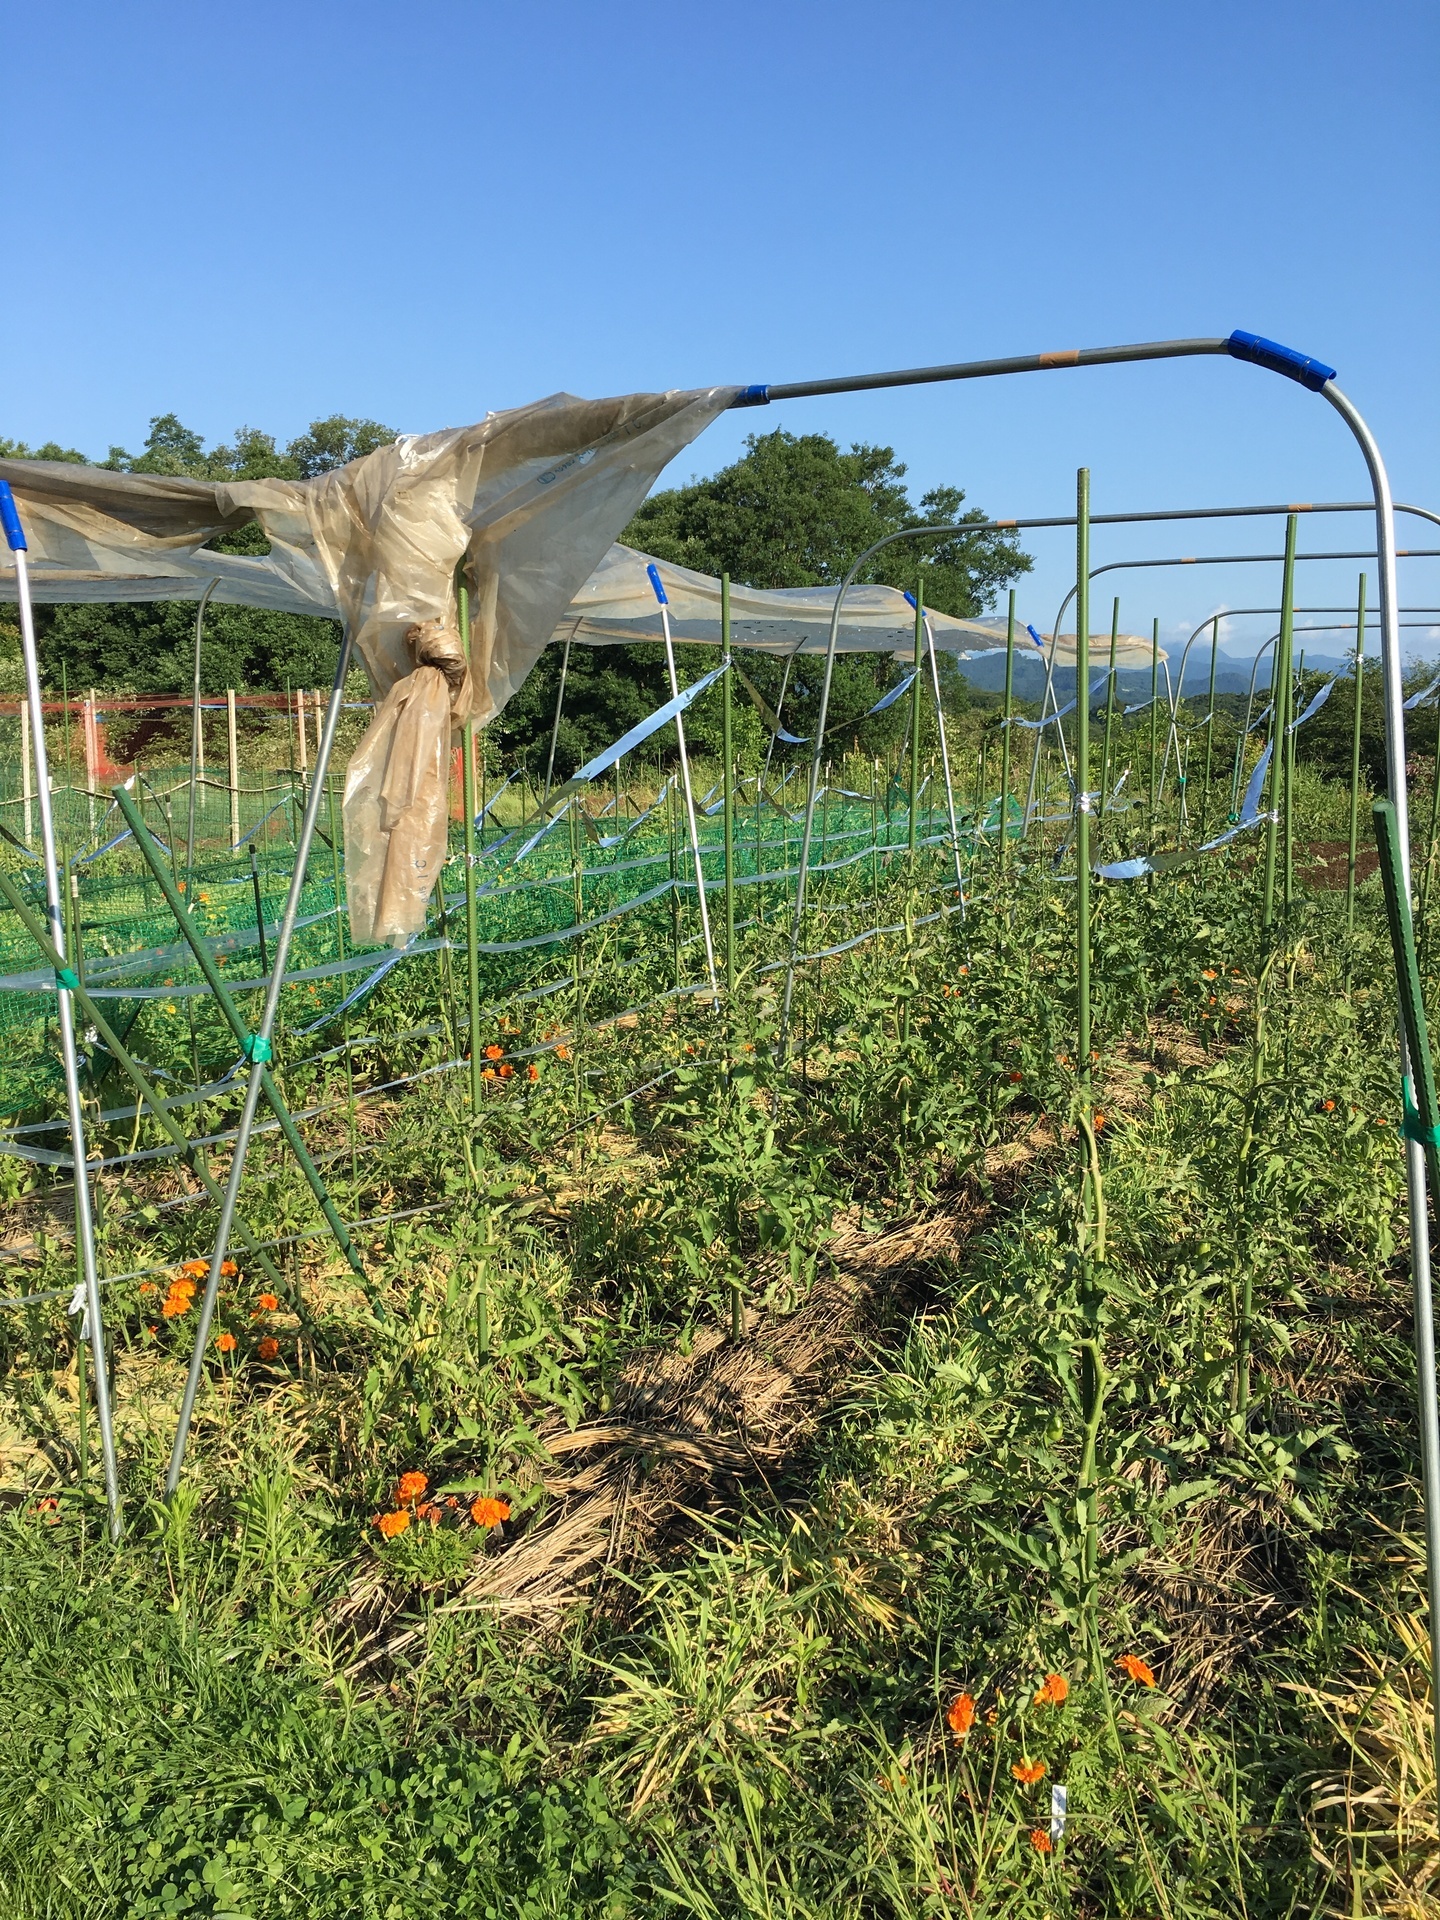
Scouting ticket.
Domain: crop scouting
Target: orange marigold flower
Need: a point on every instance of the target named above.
(199, 1268)
(1135, 1668)
(507, 1072)
(563, 1052)
(226, 1342)
(487, 1073)
(429, 1512)
(1014, 1076)
(489, 1513)
(228, 1269)
(1209, 974)
(1040, 1840)
(1053, 1691)
(532, 1072)
(410, 1486)
(1027, 1772)
(492, 1052)
(147, 1286)
(961, 1716)
(1097, 1120)
(1328, 1106)
(175, 1304)
(268, 1347)
(392, 1523)
(268, 1302)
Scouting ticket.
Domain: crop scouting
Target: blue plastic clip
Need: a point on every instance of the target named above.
(10, 520)
(752, 397)
(1277, 359)
(257, 1049)
(654, 573)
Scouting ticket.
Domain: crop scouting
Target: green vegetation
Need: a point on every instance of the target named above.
(768, 1626)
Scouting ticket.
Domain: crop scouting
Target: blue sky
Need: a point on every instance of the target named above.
(261, 216)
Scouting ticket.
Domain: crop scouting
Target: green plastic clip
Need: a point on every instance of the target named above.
(1415, 1128)
(257, 1049)
(65, 978)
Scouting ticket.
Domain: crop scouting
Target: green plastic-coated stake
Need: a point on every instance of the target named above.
(1280, 713)
(727, 749)
(206, 962)
(138, 1078)
(1355, 756)
(1154, 714)
(1422, 1124)
(1082, 777)
(915, 719)
(1109, 705)
(467, 791)
(1006, 729)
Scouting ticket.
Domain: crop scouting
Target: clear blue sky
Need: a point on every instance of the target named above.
(261, 215)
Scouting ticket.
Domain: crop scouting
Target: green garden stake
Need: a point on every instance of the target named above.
(1154, 717)
(1422, 1127)
(206, 962)
(138, 1079)
(915, 720)
(1280, 714)
(727, 751)
(1006, 729)
(1355, 756)
(467, 792)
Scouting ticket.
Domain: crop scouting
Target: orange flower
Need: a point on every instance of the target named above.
(199, 1268)
(1053, 1691)
(429, 1512)
(487, 1073)
(532, 1072)
(226, 1342)
(1040, 1840)
(183, 1289)
(492, 1052)
(175, 1304)
(961, 1716)
(1027, 1772)
(563, 1052)
(507, 1072)
(1328, 1106)
(1097, 1120)
(268, 1347)
(392, 1523)
(410, 1487)
(147, 1286)
(267, 1303)
(489, 1513)
(1015, 1076)
(49, 1510)
(1135, 1669)
(1209, 974)
(228, 1269)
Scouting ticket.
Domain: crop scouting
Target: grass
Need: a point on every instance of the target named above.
(708, 1662)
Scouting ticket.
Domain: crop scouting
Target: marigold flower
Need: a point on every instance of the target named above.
(1209, 974)
(489, 1513)
(185, 1288)
(1040, 1840)
(1328, 1106)
(532, 1072)
(492, 1052)
(392, 1523)
(487, 1073)
(199, 1268)
(1097, 1120)
(410, 1486)
(228, 1269)
(961, 1716)
(1135, 1668)
(1027, 1772)
(429, 1512)
(1380, 1120)
(147, 1286)
(226, 1342)
(1053, 1691)
(267, 1303)
(48, 1509)
(268, 1347)
(175, 1304)
(1014, 1076)
(507, 1072)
